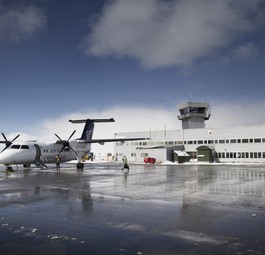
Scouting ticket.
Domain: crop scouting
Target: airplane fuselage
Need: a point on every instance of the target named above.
(27, 153)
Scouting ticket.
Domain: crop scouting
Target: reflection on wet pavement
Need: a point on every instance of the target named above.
(153, 209)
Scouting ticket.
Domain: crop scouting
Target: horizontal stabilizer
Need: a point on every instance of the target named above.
(92, 120)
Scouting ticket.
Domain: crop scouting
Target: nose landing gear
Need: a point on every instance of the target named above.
(80, 165)
(9, 168)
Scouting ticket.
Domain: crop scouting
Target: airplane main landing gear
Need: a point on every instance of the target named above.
(9, 168)
(80, 165)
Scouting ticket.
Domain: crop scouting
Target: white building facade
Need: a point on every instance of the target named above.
(239, 144)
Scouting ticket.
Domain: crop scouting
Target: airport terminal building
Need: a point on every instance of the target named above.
(194, 142)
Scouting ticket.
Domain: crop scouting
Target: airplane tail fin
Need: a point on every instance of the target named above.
(89, 126)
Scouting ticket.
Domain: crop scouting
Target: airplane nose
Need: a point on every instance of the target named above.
(5, 158)
(17, 156)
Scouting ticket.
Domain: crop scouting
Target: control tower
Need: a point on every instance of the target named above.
(194, 114)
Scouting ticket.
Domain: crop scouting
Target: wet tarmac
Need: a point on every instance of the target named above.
(153, 209)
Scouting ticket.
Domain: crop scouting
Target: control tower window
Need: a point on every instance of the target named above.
(197, 109)
(193, 109)
(201, 110)
(184, 111)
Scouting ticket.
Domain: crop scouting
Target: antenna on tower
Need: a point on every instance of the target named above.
(190, 97)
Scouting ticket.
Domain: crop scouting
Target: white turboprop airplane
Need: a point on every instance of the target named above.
(32, 152)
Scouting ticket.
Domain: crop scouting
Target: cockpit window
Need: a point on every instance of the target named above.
(15, 146)
(24, 147)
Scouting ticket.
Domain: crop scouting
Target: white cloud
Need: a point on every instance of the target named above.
(20, 23)
(170, 33)
(243, 112)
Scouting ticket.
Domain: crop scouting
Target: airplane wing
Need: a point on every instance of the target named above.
(153, 147)
(102, 141)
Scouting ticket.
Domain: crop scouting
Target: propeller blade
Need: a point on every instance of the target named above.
(4, 136)
(58, 137)
(15, 138)
(73, 150)
(61, 150)
(4, 149)
(71, 135)
(66, 143)
(7, 142)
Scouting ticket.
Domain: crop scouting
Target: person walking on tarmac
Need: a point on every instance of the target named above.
(125, 162)
(57, 161)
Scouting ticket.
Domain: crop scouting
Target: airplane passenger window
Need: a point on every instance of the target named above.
(15, 146)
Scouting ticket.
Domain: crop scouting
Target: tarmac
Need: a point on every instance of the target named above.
(152, 209)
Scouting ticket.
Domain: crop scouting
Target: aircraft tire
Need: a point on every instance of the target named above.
(80, 165)
(9, 169)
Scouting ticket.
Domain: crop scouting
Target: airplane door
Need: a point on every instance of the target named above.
(38, 152)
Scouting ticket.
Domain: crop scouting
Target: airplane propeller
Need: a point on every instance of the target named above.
(66, 143)
(8, 142)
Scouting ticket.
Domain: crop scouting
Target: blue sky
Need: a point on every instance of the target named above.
(60, 58)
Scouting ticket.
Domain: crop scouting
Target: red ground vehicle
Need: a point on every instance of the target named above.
(149, 160)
